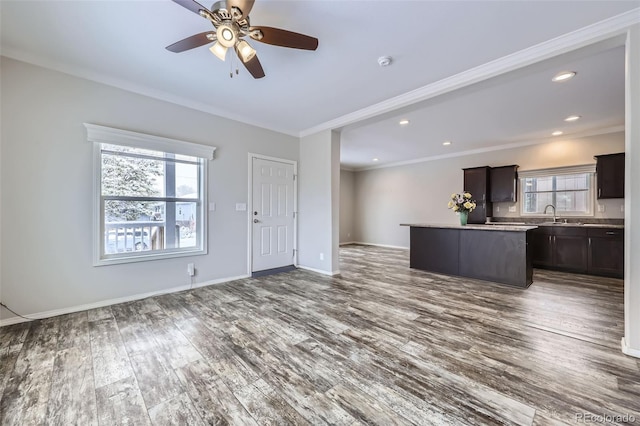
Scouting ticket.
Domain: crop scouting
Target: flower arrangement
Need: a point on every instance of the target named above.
(462, 203)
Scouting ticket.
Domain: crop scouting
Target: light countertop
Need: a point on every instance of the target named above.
(561, 225)
(481, 227)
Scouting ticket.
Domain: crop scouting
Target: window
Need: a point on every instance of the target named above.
(150, 196)
(568, 189)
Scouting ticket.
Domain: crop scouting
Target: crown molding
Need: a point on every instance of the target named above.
(134, 88)
(600, 31)
(519, 144)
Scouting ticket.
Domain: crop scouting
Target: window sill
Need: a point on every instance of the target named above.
(127, 258)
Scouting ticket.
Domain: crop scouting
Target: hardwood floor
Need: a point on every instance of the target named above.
(382, 344)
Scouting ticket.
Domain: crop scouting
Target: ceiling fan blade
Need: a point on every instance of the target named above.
(284, 38)
(254, 67)
(192, 5)
(196, 40)
(245, 6)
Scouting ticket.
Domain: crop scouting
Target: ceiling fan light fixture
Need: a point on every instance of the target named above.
(245, 51)
(219, 50)
(226, 35)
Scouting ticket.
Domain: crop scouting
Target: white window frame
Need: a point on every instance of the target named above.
(101, 134)
(557, 171)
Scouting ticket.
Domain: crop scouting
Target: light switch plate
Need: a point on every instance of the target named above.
(512, 209)
(212, 207)
(241, 207)
(601, 208)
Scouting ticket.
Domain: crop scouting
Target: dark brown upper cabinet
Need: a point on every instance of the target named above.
(504, 184)
(610, 175)
(476, 182)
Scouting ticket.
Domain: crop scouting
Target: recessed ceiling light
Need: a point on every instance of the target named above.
(375, 159)
(563, 76)
(572, 118)
(556, 133)
(446, 143)
(404, 122)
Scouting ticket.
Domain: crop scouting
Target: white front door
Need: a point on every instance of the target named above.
(273, 214)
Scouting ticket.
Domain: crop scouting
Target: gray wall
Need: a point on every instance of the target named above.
(419, 192)
(46, 189)
(319, 188)
(347, 206)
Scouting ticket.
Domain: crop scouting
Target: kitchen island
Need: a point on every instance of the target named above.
(498, 253)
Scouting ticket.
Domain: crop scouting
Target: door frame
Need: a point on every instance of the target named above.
(250, 207)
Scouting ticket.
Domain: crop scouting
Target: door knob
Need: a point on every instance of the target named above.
(256, 221)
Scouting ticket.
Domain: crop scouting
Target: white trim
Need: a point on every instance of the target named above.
(110, 135)
(380, 245)
(109, 302)
(513, 145)
(591, 34)
(584, 168)
(347, 243)
(608, 28)
(589, 169)
(139, 89)
(627, 350)
(294, 163)
(100, 134)
(319, 271)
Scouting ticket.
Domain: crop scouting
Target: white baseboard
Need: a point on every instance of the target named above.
(629, 351)
(347, 243)
(319, 271)
(380, 245)
(109, 302)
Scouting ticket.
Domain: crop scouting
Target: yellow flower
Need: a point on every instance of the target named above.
(451, 204)
(453, 196)
(467, 195)
(456, 208)
(468, 205)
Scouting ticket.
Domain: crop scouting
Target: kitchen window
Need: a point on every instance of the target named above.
(150, 196)
(569, 189)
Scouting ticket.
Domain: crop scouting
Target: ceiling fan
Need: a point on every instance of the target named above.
(230, 21)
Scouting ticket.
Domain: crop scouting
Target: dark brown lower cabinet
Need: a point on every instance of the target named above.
(542, 247)
(606, 252)
(571, 253)
(595, 251)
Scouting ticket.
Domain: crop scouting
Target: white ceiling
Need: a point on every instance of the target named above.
(122, 43)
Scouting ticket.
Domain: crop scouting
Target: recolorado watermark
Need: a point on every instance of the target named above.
(604, 418)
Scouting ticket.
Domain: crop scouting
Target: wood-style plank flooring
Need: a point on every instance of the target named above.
(381, 344)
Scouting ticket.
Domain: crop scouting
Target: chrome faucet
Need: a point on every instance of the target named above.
(554, 211)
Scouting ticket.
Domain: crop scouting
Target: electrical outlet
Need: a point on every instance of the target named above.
(512, 209)
(191, 269)
(497, 209)
(601, 208)
(321, 256)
